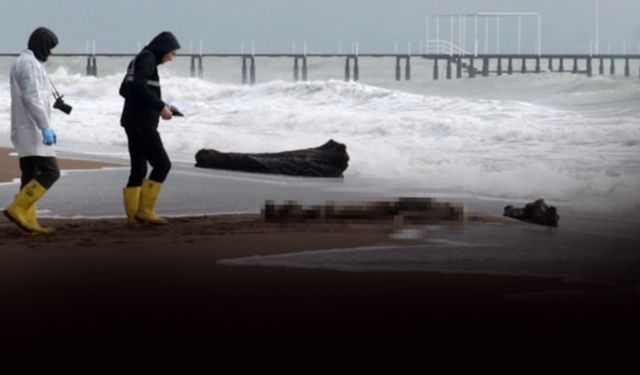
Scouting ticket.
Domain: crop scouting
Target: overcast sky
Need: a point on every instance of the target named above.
(119, 25)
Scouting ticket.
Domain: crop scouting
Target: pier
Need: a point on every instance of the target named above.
(455, 66)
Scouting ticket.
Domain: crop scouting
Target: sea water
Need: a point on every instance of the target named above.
(570, 139)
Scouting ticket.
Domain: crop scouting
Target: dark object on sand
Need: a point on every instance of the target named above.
(328, 160)
(404, 210)
(535, 212)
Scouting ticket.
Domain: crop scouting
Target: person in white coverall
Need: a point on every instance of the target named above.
(31, 132)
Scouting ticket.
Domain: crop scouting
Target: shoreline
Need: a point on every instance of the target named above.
(10, 168)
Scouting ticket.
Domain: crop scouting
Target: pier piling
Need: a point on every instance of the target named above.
(356, 69)
(347, 68)
(92, 66)
(485, 67)
(252, 72)
(304, 69)
(407, 67)
(244, 70)
(601, 68)
(612, 67)
(627, 68)
(296, 68)
(89, 68)
(435, 69)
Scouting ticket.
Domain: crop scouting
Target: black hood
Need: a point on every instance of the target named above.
(41, 41)
(162, 44)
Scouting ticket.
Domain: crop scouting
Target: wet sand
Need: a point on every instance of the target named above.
(98, 277)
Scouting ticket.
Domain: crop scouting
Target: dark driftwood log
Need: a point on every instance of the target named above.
(328, 160)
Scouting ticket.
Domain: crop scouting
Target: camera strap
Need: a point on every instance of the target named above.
(55, 92)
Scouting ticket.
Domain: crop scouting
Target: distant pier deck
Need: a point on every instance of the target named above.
(445, 66)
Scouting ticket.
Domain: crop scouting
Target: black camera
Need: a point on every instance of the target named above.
(61, 105)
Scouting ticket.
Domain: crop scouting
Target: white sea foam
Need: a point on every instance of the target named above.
(567, 138)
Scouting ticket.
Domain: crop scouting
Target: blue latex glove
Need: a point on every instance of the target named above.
(49, 136)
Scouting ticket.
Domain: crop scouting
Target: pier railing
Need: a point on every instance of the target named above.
(444, 47)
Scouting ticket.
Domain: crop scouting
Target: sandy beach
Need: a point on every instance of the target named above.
(97, 277)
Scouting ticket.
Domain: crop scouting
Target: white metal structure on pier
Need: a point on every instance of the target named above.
(462, 30)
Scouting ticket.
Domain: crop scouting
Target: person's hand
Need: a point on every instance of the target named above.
(166, 113)
(49, 136)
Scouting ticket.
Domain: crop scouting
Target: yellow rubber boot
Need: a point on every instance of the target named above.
(32, 219)
(148, 198)
(131, 204)
(22, 207)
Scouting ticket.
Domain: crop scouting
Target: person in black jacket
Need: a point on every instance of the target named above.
(143, 106)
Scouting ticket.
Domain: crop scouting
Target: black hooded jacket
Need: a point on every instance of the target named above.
(141, 85)
(41, 41)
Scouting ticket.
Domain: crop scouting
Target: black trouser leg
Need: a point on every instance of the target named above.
(146, 146)
(158, 158)
(44, 169)
(137, 158)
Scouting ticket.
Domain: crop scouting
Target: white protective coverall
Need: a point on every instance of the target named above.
(30, 106)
